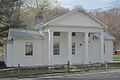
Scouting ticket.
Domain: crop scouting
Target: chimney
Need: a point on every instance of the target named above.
(39, 20)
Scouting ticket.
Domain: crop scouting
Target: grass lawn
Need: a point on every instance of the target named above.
(116, 57)
(1, 51)
(33, 72)
(28, 72)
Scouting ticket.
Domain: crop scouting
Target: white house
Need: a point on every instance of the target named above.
(75, 37)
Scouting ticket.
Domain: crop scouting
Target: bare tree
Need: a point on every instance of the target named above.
(49, 9)
(111, 17)
(8, 10)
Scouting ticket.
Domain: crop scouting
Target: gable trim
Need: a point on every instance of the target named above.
(56, 18)
(97, 20)
(73, 26)
(104, 26)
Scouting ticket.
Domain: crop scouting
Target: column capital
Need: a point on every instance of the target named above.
(49, 30)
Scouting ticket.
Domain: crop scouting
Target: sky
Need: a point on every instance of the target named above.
(86, 4)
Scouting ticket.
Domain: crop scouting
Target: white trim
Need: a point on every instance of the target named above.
(86, 48)
(72, 29)
(50, 47)
(74, 26)
(47, 23)
(69, 46)
(102, 46)
(90, 16)
(97, 20)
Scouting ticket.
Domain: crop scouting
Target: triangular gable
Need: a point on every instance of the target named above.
(76, 18)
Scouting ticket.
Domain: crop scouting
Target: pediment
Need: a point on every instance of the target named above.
(75, 18)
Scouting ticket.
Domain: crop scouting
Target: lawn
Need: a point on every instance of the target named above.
(1, 51)
(116, 57)
(42, 71)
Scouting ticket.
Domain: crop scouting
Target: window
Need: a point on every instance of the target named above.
(56, 49)
(56, 33)
(28, 49)
(73, 48)
(73, 34)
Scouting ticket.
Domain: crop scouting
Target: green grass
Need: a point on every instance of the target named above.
(1, 51)
(33, 72)
(28, 72)
(116, 57)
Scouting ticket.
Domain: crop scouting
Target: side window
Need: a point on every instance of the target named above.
(73, 48)
(56, 49)
(28, 49)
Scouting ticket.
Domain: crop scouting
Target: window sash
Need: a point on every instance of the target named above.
(73, 48)
(28, 49)
(56, 49)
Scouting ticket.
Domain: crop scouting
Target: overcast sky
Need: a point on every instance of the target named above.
(87, 4)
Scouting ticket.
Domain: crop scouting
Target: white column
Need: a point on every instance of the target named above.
(86, 48)
(102, 46)
(69, 46)
(50, 47)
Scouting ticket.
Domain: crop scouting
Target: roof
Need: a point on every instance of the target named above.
(76, 18)
(24, 34)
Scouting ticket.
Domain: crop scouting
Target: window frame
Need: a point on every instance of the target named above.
(73, 48)
(28, 49)
(56, 49)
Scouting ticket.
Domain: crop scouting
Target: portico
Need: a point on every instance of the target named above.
(85, 43)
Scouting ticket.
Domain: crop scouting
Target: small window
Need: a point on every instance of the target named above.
(73, 34)
(28, 49)
(56, 49)
(73, 48)
(56, 33)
